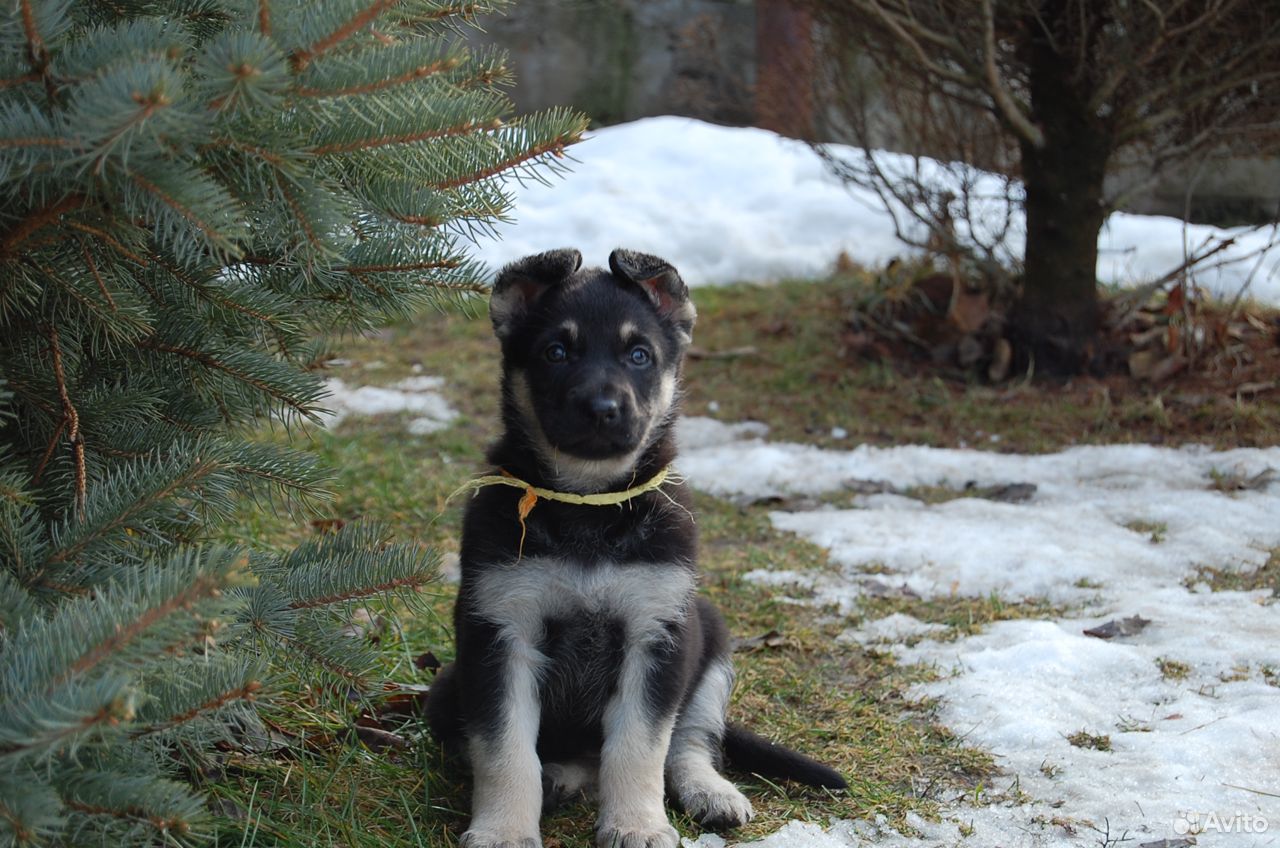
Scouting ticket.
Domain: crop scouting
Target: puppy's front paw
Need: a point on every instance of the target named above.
(656, 835)
(480, 837)
(722, 809)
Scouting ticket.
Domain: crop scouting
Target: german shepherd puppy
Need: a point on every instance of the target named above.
(586, 663)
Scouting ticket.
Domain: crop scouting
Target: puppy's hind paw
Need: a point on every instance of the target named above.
(484, 838)
(563, 782)
(663, 836)
(718, 809)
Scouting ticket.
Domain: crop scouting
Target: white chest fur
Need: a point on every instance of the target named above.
(521, 596)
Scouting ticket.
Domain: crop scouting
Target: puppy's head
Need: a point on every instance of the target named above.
(591, 358)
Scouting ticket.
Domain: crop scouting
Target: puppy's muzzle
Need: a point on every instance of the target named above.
(606, 410)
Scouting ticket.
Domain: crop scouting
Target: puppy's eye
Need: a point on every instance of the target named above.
(640, 356)
(556, 352)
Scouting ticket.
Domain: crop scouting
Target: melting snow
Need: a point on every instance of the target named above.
(418, 395)
(1111, 532)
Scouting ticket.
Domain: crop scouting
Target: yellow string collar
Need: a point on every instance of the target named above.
(533, 493)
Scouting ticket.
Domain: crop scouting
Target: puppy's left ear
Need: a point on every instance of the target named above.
(657, 279)
(520, 284)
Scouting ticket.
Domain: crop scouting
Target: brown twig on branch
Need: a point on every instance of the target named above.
(301, 58)
(38, 220)
(72, 419)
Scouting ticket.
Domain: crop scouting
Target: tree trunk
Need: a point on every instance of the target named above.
(1056, 320)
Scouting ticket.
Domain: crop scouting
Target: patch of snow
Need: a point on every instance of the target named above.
(694, 432)
(897, 627)
(1111, 531)
(730, 204)
(419, 395)
(779, 577)
(1200, 744)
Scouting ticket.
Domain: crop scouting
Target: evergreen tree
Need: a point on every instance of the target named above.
(191, 192)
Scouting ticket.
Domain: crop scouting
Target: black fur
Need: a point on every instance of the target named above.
(583, 411)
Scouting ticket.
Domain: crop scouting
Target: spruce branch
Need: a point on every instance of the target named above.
(38, 141)
(97, 277)
(110, 240)
(302, 57)
(215, 294)
(553, 147)
(15, 602)
(38, 220)
(413, 581)
(299, 402)
(186, 211)
(412, 75)
(201, 588)
(41, 726)
(49, 449)
(112, 803)
(428, 265)
(304, 220)
(245, 692)
(30, 810)
(464, 128)
(13, 82)
(141, 489)
(204, 193)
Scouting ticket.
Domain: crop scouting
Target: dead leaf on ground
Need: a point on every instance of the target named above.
(1118, 627)
(969, 310)
(1004, 493)
(1001, 359)
(772, 639)
(327, 525)
(427, 662)
(869, 487)
(364, 625)
(263, 737)
(880, 589)
(1239, 482)
(403, 699)
(1256, 388)
(1155, 365)
(377, 738)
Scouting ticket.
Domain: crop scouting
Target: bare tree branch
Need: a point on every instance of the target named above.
(1011, 111)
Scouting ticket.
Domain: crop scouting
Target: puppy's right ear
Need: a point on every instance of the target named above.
(520, 284)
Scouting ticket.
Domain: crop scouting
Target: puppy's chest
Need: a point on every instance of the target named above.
(544, 601)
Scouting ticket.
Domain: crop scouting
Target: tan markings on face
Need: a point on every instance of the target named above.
(627, 331)
(570, 328)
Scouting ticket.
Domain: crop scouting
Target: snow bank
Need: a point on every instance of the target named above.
(733, 204)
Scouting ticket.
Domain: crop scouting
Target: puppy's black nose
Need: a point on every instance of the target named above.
(606, 410)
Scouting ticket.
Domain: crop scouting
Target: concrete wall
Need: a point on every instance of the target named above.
(619, 60)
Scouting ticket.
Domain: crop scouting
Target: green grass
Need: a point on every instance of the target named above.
(849, 705)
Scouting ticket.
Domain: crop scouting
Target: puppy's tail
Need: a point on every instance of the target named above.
(750, 752)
